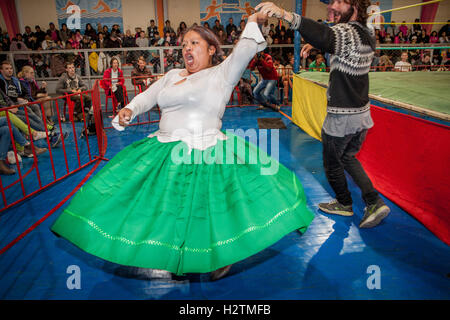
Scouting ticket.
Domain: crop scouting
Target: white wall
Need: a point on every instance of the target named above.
(34, 13)
(183, 10)
(137, 13)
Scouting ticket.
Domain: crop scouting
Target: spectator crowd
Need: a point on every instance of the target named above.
(101, 37)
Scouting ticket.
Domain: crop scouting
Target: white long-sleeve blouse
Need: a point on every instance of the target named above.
(192, 110)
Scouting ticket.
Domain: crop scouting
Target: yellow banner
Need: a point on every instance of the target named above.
(309, 106)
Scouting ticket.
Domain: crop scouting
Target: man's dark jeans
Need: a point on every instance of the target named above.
(339, 155)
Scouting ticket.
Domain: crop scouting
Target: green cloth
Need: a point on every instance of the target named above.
(146, 208)
(429, 90)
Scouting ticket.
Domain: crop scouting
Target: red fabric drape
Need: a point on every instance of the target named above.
(8, 8)
(427, 14)
(408, 160)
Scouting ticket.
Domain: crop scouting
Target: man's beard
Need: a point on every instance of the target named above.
(344, 17)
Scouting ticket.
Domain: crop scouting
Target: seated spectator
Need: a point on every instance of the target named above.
(221, 35)
(90, 32)
(129, 41)
(437, 58)
(18, 94)
(265, 28)
(173, 39)
(280, 71)
(16, 121)
(116, 29)
(245, 87)
(85, 43)
(434, 37)
(230, 26)
(38, 94)
(217, 27)
(181, 28)
(398, 38)
(414, 56)
(287, 78)
(53, 33)
(282, 38)
(168, 28)
(20, 60)
(75, 44)
(40, 35)
(27, 35)
(318, 64)
(375, 60)
(423, 38)
(106, 32)
(114, 82)
(444, 38)
(5, 44)
(270, 37)
(152, 30)
(403, 29)
(141, 75)
(417, 27)
(142, 42)
(64, 33)
(232, 36)
(32, 43)
(40, 64)
(414, 37)
(385, 63)
(5, 144)
(388, 39)
(403, 65)
(70, 83)
(48, 43)
(101, 40)
(114, 41)
(424, 64)
(57, 62)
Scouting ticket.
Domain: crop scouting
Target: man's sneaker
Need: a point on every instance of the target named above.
(11, 158)
(55, 139)
(37, 135)
(335, 207)
(373, 214)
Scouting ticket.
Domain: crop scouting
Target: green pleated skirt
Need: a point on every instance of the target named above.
(157, 205)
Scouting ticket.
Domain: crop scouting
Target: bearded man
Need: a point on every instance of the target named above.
(351, 45)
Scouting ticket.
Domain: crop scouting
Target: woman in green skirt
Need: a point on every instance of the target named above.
(189, 198)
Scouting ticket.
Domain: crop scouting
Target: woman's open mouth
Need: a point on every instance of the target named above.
(189, 59)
